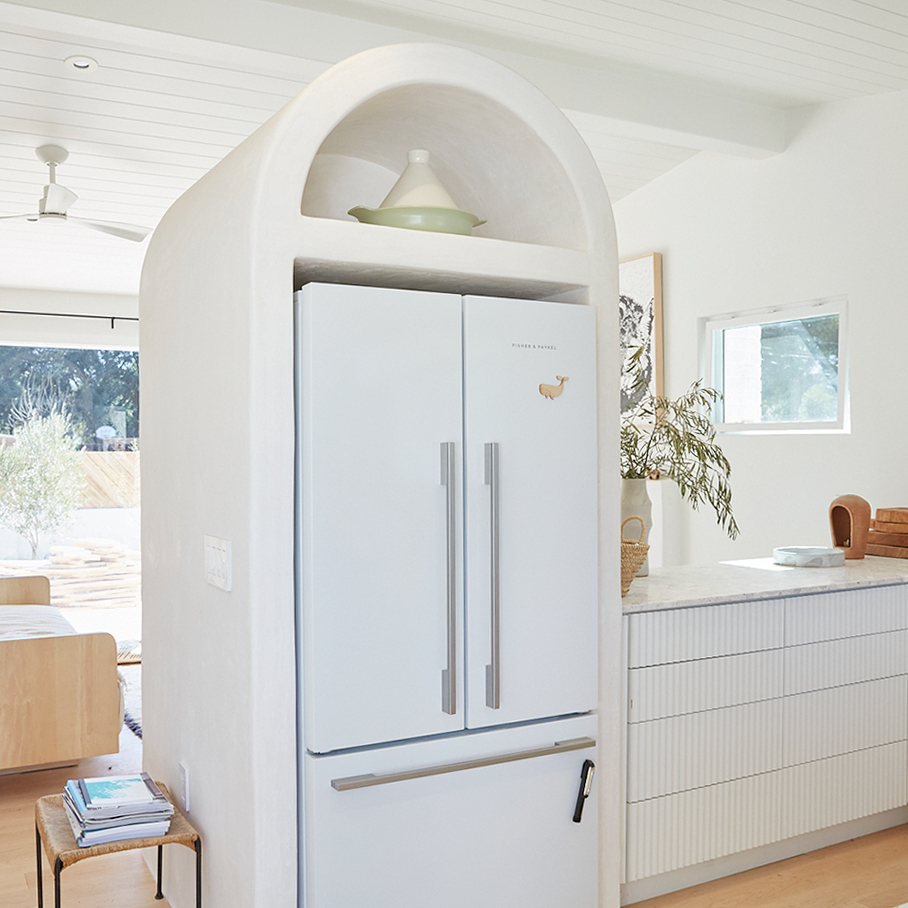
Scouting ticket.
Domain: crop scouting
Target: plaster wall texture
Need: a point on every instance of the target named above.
(825, 218)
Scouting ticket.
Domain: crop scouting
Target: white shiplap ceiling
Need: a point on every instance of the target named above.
(648, 83)
(787, 51)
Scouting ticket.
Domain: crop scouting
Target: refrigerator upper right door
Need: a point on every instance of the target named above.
(530, 488)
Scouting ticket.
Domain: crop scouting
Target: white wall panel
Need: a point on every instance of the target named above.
(842, 719)
(676, 635)
(852, 613)
(813, 666)
(686, 687)
(798, 211)
(843, 788)
(685, 752)
(668, 833)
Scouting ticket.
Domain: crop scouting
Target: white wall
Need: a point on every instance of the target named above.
(827, 217)
(21, 299)
(119, 524)
(68, 319)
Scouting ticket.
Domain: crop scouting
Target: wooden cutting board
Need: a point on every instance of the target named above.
(882, 527)
(888, 551)
(875, 537)
(892, 515)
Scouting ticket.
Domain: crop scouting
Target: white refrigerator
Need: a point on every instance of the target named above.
(447, 600)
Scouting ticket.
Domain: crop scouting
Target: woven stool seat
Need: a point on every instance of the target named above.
(56, 835)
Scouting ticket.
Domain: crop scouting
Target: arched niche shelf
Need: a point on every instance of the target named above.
(491, 162)
(501, 148)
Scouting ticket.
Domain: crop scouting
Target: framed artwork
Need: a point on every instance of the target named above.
(640, 310)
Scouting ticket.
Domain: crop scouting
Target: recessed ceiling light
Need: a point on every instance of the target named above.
(81, 64)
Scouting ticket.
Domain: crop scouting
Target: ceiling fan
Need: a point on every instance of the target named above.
(57, 199)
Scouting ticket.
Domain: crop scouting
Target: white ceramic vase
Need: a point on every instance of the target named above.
(635, 502)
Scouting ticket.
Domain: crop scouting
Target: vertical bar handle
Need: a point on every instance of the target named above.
(493, 670)
(449, 674)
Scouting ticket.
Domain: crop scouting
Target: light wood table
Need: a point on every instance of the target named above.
(53, 830)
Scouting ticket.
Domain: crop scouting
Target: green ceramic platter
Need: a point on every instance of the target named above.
(437, 220)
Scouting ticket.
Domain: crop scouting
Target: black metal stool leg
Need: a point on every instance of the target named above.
(198, 873)
(40, 869)
(58, 867)
(159, 894)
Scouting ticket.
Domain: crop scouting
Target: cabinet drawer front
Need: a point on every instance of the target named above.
(835, 721)
(812, 666)
(685, 752)
(668, 833)
(496, 835)
(659, 691)
(827, 616)
(854, 785)
(678, 635)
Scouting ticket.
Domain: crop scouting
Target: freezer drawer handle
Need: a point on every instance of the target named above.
(369, 779)
(448, 677)
(586, 783)
(493, 671)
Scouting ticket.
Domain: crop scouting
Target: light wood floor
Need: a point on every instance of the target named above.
(116, 880)
(870, 872)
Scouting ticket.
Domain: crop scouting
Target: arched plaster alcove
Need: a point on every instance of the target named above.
(487, 157)
(217, 364)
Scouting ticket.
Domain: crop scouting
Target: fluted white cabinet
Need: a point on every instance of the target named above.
(754, 722)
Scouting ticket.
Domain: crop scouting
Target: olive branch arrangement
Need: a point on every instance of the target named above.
(676, 439)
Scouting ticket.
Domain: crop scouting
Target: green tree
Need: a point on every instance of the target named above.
(799, 359)
(88, 383)
(41, 478)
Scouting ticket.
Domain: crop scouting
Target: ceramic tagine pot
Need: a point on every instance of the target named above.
(418, 201)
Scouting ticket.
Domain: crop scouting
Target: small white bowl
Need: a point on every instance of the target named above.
(808, 556)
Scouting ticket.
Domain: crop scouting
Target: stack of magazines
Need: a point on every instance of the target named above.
(112, 808)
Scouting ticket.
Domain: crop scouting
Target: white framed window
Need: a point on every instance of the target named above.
(780, 370)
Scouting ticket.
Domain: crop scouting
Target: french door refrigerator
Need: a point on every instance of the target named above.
(447, 600)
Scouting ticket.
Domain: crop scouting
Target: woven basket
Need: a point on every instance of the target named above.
(633, 554)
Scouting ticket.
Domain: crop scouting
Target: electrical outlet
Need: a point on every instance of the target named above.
(217, 562)
(184, 786)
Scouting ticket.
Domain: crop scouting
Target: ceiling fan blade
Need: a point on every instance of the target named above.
(56, 199)
(18, 217)
(125, 231)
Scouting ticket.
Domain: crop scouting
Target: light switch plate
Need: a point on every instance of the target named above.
(217, 562)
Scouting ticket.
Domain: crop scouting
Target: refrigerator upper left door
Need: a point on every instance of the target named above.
(379, 422)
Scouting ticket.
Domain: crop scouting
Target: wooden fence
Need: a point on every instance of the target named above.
(111, 479)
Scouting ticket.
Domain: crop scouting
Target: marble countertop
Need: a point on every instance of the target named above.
(754, 578)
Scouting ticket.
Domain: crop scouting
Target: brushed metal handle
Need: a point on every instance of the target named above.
(493, 670)
(449, 674)
(368, 779)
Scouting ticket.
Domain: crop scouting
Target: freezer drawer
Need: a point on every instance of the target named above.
(493, 833)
